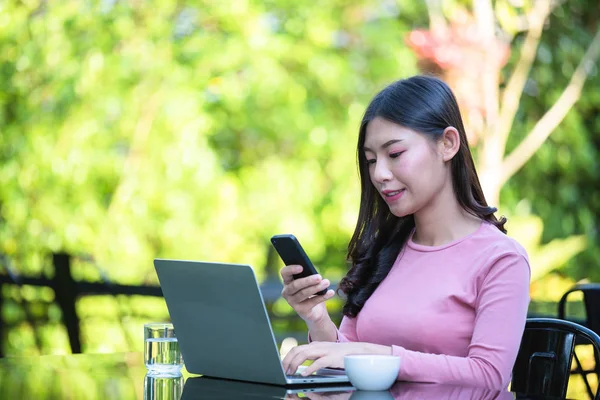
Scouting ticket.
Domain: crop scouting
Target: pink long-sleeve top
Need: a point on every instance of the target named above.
(454, 313)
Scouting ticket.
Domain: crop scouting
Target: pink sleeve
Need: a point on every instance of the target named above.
(499, 323)
(346, 332)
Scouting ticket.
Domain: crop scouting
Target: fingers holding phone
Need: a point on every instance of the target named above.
(301, 293)
(304, 289)
(301, 289)
(292, 253)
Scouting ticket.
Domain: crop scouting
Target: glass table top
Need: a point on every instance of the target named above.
(123, 376)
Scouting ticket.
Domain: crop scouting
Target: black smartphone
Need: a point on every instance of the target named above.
(292, 253)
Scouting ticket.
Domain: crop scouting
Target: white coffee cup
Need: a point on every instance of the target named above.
(372, 372)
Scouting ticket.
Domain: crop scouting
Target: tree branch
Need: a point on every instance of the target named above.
(485, 19)
(437, 22)
(512, 93)
(486, 23)
(540, 132)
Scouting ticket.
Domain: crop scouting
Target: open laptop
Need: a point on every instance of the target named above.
(222, 326)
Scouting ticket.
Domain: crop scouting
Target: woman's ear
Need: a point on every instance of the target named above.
(449, 143)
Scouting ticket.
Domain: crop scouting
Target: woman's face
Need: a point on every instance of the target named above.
(405, 167)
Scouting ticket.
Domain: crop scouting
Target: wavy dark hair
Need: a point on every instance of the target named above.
(426, 105)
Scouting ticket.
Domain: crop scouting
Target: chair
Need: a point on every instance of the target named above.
(543, 363)
(591, 300)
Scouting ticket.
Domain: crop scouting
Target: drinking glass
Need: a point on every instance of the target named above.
(161, 350)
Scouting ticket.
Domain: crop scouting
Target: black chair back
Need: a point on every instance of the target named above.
(591, 300)
(543, 363)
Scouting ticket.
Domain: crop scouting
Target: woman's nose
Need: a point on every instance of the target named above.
(382, 173)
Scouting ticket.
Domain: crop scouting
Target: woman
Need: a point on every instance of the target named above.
(434, 278)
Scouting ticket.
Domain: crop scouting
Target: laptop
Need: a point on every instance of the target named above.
(200, 388)
(222, 325)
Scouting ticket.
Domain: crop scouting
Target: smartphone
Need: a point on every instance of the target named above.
(291, 252)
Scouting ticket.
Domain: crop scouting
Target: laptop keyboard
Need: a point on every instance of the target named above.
(298, 376)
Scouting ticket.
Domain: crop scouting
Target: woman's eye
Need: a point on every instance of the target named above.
(396, 155)
(371, 161)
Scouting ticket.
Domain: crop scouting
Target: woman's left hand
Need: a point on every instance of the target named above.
(328, 354)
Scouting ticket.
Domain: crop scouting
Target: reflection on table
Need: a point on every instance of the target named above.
(208, 388)
(123, 376)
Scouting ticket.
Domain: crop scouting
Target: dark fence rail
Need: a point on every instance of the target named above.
(67, 290)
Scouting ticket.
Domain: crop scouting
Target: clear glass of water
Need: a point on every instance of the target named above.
(161, 350)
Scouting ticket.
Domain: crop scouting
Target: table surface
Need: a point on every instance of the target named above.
(123, 376)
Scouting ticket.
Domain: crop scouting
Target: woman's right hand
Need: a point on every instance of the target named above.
(300, 294)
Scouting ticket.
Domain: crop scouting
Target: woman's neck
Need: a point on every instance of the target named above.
(443, 221)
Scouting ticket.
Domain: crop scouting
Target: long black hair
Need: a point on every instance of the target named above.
(426, 105)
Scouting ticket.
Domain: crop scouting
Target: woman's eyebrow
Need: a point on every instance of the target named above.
(385, 145)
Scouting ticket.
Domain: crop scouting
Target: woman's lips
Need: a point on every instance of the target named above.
(392, 196)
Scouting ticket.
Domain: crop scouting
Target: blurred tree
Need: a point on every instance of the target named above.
(136, 130)
(471, 49)
(499, 91)
(560, 182)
